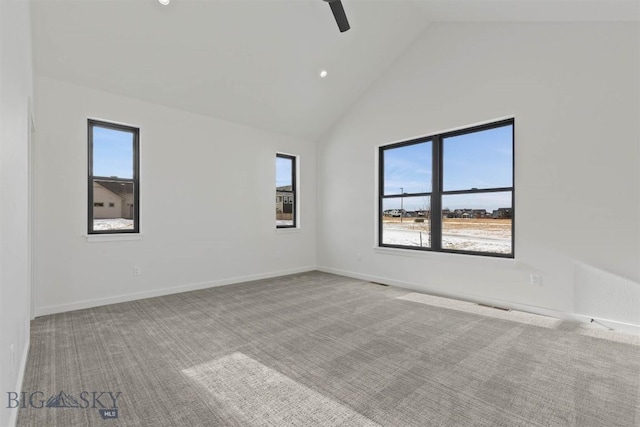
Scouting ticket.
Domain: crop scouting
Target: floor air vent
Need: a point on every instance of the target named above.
(493, 306)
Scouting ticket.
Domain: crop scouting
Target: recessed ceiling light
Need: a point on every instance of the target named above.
(164, 2)
(323, 74)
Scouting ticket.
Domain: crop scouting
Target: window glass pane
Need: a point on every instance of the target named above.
(112, 153)
(113, 205)
(284, 172)
(407, 169)
(479, 222)
(406, 221)
(478, 160)
(284, 209)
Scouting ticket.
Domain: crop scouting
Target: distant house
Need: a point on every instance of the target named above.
(479, 213)
(112, 199)
(284, 202)
(502, 213)
(458, 213)
(465, 213)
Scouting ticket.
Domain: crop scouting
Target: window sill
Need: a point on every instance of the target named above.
(287, 230)
(113, 237)
(410, 253)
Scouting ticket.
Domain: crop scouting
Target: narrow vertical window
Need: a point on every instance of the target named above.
(285, 191)
(113, 178)
(477, 190)
(406, 200)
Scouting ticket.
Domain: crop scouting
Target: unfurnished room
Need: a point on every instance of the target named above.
(319, 213)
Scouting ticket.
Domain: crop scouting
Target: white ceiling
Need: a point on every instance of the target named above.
(256, 62)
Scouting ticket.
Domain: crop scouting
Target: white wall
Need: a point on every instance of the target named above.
(207, 194)
(574, 91)
(15, 91)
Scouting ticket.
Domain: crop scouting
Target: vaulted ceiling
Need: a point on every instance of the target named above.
(257, 62)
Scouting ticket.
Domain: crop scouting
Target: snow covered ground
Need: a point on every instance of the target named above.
(467, 235)
(466, 242)
(112, 224)
(481, 237)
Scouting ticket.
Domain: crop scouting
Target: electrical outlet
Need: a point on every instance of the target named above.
(535, 280)
(136, 270)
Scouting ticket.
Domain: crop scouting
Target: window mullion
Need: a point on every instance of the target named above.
(397, 196)
(478, 191)
(436, 195)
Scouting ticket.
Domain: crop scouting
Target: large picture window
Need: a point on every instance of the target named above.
(113, 178)
(285, 191)
(451, 192)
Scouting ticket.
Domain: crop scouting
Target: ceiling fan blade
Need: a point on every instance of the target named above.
(338, 13)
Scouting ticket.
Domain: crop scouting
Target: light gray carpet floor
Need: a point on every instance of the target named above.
(316, 349)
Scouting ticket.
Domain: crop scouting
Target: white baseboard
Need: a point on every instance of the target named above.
(628, 328)
(79, 305)
(612, 324)
(13, 417)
